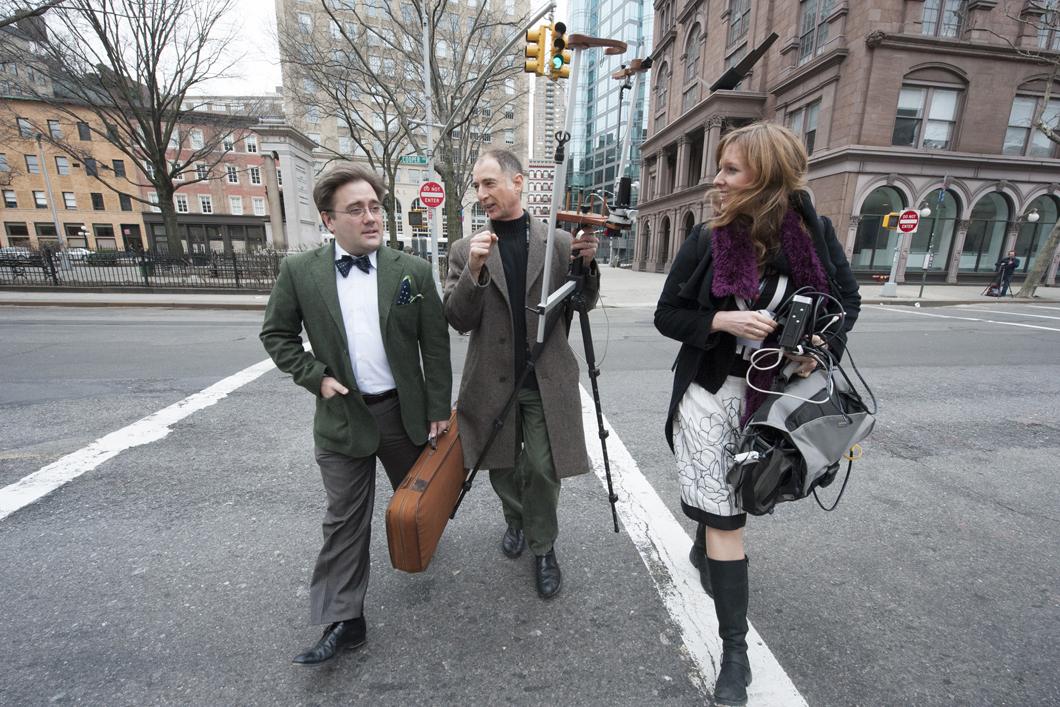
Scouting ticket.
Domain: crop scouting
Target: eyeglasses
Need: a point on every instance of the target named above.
(360, 211)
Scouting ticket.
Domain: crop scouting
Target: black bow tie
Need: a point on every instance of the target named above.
(348, 261)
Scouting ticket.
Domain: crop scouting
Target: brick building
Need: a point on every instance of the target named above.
(48, 192)
(896, 100)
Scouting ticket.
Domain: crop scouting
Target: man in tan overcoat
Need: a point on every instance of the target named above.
(493, 277)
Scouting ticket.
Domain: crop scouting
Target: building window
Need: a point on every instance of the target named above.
(54, 130)
(24, 128)
(926, 117)
(813, 27)
(231, 174)
(97, 201)
(4, 166)
(259, 205)
(312, 114)
(345, 147)
(180, 202)
(205, 203)
(124, 202)
(942, 18)
(662, 86)
(235, 205)
(149, 169)
(62, 165)
(201, 171)
(1049, 25)
(739, 18)
(803, 122)
(693, 52)
(91, 167)
(10, 200)
(153, 198)
(279, 177)
(174, 139)
(197, 141)
(83, 131)
(32, 164)
(251, 143)
(70, 200)
(509, 137)
(1022, 136)
(40, 200)
(227, 144)
(119, 168)
(255, 175)
(305, 22)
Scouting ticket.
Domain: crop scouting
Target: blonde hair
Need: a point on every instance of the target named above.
(776, 159)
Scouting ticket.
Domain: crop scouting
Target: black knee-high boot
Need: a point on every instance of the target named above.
(698, 557)
(729, 580)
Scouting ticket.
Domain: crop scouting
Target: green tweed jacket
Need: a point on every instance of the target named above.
(305, 296)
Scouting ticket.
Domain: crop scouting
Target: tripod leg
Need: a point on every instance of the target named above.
(594, 373)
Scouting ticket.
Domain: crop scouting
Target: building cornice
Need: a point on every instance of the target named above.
(683, 197)
(930, 161)
(916, 42)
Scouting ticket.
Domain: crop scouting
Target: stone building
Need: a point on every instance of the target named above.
(901, 103)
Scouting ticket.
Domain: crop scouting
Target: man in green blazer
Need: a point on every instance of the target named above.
(371, 315)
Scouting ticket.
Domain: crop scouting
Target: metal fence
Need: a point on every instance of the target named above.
(213, 271)
(235, 271)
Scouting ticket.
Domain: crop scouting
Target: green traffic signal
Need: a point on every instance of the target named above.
(557, 62)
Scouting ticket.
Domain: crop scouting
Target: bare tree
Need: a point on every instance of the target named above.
(378, 47)
(1039, 22)
(14, 12)
(131, 64)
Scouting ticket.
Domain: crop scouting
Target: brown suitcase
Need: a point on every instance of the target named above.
(420, 507)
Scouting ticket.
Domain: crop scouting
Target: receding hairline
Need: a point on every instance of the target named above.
(505, 160)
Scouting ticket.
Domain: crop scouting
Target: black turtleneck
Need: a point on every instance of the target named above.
(513, 237)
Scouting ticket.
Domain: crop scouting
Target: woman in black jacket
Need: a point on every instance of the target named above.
(764, 242)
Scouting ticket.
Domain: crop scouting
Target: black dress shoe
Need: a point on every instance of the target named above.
(339, 635)
(513, 542)
(547, 575)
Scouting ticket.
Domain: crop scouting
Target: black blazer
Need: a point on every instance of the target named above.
(686, 306)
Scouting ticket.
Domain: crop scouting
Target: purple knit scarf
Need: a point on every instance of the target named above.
(736, 273)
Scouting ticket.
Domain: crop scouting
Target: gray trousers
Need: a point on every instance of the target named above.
(340, 578)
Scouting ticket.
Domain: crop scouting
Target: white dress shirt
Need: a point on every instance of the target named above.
(359, 301)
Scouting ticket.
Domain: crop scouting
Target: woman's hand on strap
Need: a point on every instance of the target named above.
(746, 325)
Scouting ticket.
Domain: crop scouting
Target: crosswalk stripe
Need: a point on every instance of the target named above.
(663, 546)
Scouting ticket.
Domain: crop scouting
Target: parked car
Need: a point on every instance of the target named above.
(17, 252)
(78, 255)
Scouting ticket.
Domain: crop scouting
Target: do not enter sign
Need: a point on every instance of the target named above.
(432, 194)
(908, 221)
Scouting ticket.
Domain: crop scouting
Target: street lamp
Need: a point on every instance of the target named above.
(1032, 216)
(925, 210)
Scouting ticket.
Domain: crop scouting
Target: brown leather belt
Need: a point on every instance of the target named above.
(370, 398)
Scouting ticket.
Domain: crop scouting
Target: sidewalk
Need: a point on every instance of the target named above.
(619, 287)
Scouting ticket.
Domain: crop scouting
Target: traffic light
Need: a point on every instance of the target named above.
(890, 221)
(535, 50)
(559, 66)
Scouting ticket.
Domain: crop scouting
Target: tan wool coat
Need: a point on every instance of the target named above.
(482, 309)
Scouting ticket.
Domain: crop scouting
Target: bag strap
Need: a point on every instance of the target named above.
(842, 488)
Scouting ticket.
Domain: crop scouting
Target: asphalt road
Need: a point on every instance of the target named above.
(176, 571)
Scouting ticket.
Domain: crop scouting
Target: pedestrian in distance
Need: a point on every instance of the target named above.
(763, 242)
(371, 315)
(1005, 268)
(494, 276)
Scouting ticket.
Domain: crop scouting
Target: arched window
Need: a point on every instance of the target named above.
(663, 251)
(1033, 235)
(662, 85)
(643, 241)
(928, 109)
(873, 245)
(986, 234)
(693, 53)
(939, 228)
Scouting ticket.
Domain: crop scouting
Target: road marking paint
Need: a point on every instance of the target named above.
(149, 429)
(1014, 314)
(910, 310)
(663, 546)
(1042, 306)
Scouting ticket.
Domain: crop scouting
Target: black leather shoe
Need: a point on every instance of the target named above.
(547, 575)
(513, 542)
(339, 635)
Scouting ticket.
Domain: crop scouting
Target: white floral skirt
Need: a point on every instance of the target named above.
(704, 426)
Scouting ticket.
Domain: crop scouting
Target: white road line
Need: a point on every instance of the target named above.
(911, 310)
(149, 429)
(663, 546)
(1014, 314)
(1042, 306)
